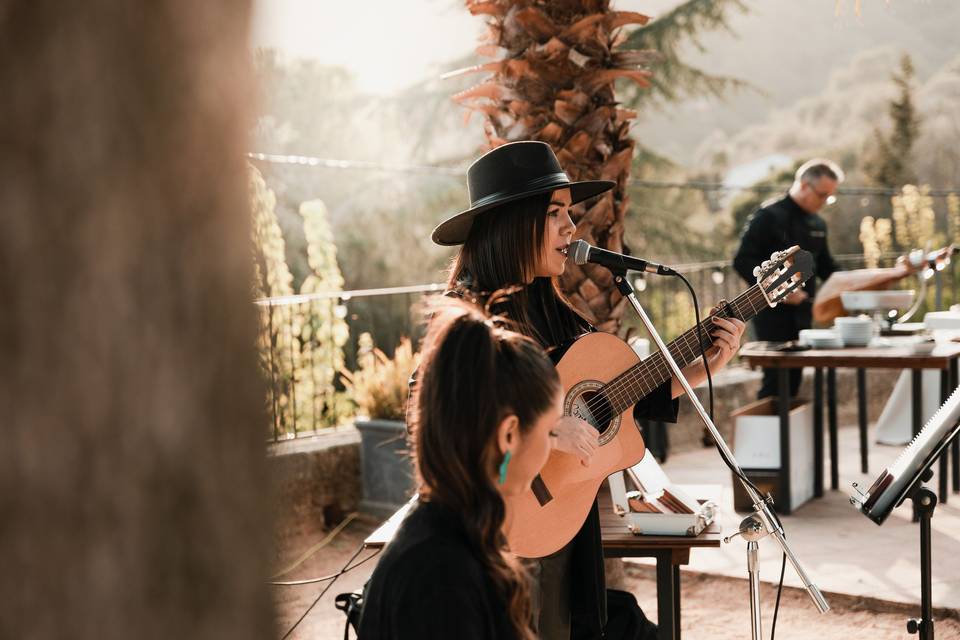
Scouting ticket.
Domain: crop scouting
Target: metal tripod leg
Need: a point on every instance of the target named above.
(753, 568)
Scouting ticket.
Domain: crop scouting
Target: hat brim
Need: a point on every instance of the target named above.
(455, 229)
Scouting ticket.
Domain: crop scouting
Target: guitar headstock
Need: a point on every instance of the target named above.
(784, 273)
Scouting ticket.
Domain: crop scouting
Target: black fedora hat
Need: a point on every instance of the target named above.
(511, 172)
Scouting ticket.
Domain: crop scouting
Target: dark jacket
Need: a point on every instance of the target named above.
(430, 584)
(777, 225)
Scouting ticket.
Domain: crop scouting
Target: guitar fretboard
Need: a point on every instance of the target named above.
(639, 380)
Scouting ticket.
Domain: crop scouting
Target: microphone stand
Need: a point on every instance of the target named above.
(762, 522)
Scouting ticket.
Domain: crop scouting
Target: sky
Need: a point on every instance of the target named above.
(387, 44)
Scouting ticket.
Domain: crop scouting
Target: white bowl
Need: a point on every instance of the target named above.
(821, 338)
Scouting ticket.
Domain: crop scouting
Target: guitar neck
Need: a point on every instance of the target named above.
(638, 381)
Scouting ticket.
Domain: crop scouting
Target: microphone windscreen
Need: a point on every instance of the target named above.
(579, 250)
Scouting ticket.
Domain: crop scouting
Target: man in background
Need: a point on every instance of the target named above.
(781, 223)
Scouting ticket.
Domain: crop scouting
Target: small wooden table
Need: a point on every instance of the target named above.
(944, 357)
(669, 551)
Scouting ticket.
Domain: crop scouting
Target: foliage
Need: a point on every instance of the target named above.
(674, 79)
(913, 225)
(877, 239)
(379, 386)
(953, 217)
(301, 342)
(271, 275)
(890, 162)
(914, 219)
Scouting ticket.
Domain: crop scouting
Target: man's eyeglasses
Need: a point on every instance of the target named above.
(827, 198)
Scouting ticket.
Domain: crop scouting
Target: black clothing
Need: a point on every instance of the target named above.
(430, 584)
(778, 225)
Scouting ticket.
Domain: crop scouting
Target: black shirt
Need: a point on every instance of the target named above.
(778, 225)
(430, 584)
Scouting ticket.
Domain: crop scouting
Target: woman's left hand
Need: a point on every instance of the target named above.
(727, 333)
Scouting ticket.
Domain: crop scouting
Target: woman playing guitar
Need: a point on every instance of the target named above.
(515, 235)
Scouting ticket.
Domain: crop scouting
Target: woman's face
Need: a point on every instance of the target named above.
(532, 450)
(557, 235)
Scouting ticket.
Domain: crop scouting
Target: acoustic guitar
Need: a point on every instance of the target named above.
(602, 379)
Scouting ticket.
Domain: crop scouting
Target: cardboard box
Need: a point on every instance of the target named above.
(756, 446)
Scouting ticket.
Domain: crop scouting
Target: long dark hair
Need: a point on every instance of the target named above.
(501, 252)
(472, 376)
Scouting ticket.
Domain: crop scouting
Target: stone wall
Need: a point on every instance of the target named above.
(316, 480)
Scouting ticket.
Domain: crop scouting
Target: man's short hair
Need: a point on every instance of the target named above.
(813, 170)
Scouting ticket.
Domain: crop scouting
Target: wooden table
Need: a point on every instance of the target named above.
(669, 551)
(944, 357)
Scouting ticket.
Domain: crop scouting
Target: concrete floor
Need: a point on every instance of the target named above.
(840, 548)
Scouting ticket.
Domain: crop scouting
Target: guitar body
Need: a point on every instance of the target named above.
(537, 529)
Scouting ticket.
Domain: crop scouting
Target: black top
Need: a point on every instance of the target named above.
(778, 225)
(430, 584)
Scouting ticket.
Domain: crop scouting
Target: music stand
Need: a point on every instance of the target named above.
(904, 479)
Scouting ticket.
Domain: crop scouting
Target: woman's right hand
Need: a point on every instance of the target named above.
(576, 437)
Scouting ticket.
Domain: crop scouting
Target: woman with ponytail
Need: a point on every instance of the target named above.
(486, 402)
(514, 236)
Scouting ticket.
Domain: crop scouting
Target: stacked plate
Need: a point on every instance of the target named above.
(854, 332)
(821, 339)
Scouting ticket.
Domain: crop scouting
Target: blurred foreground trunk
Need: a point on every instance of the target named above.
(132, 472)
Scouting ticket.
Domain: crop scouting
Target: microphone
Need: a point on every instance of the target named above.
(583, 253)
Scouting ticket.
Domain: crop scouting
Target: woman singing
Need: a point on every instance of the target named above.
(515, 235)
(485, 403)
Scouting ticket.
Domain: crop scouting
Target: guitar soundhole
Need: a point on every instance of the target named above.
(595, 409)
(587, 402)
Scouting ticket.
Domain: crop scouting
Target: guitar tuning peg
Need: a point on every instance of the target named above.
(756, 272)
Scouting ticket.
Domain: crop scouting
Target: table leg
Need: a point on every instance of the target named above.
(944, 455)
(818, 432)
(916, 412)
(954, 382)
(676, 601)
(916, 400)
(832, 425)
(668, 600)
(783, 404)
(862, 416)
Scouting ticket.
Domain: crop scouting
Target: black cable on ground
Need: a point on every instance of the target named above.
(776, 608)
(346, 567)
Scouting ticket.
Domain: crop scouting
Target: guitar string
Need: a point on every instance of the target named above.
(617, 393)
(687, 342)
(617, 390)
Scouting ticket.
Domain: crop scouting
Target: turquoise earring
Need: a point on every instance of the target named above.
(503, 467)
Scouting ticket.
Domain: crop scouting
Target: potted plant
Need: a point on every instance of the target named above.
(379, 389)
